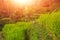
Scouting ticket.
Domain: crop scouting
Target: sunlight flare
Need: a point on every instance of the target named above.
(23, 2)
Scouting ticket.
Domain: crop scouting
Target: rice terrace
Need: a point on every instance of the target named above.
(29, 19)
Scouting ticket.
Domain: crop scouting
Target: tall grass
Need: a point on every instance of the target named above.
(46, 27)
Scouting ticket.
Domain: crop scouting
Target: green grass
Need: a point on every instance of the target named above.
(46, 27)
(15, 31)
(51, 23)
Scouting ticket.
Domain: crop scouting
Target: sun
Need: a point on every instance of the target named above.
(23, 2)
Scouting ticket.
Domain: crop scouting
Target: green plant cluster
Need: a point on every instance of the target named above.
(46, 27)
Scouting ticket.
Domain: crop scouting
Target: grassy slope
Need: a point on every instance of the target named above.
(47, 27)
(51, 22)
(15, 31)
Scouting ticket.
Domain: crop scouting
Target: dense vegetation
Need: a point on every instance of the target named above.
(46, 27)
(40, 21)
